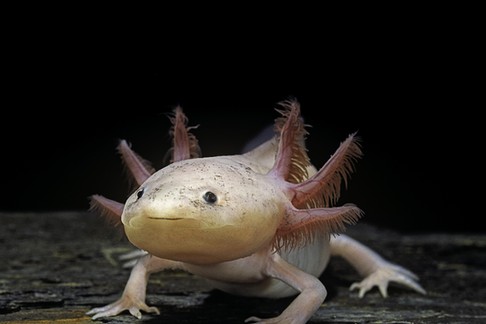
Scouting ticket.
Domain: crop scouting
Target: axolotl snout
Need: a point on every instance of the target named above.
(255, 224)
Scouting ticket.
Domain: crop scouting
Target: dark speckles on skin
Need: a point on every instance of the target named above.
(240, 167)
(195, 203)
(201, 205)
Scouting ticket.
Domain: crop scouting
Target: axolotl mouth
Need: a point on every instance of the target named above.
(144, 222)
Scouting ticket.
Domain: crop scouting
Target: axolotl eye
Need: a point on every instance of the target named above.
(210, 197)
(140, 193)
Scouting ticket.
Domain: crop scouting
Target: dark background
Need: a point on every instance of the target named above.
(68, 100)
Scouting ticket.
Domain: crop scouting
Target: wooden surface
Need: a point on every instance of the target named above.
(57, 266)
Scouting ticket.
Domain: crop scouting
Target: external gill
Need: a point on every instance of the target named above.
(138, 168)
(111, 210)
(292, 160)
(184, 146)
(308, 213)
(326, 183)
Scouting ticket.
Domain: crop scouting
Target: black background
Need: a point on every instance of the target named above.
(68, 100)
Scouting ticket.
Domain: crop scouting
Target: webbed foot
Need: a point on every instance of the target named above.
(383, 276)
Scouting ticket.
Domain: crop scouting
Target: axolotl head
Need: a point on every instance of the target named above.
(204, 210)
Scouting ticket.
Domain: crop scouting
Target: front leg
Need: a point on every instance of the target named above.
(312, 293)
(376, 270)
(133, 297)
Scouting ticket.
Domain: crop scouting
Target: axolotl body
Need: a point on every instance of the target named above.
(255, 224)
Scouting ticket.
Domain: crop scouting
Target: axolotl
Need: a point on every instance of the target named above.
(262, 223)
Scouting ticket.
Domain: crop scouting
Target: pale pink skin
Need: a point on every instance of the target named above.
(169, 206)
